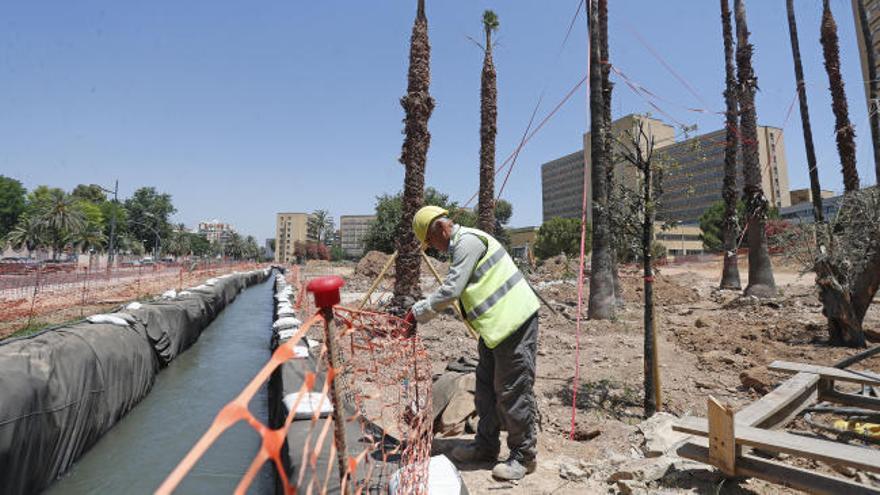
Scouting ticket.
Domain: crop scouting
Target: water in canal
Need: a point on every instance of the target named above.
(142, 449)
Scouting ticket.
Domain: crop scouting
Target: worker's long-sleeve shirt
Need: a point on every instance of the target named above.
(464, 255)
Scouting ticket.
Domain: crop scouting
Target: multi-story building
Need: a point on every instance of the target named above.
(872, 8)
(799, 196)
(352, 232)
(290, 228)
(693, 171)
(216, 231)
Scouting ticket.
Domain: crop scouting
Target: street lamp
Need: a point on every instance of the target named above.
(111, 250)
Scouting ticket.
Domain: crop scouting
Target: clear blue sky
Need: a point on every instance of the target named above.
(243, 109)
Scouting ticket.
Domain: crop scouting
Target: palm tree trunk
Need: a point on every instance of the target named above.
(730, 270)
(601, 305)
(761, 282)
(815, 187)
(607, 87)
(488, 130)
(873, 83)
(418, 105)
(845, 133)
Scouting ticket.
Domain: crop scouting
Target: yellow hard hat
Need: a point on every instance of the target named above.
(423, 218)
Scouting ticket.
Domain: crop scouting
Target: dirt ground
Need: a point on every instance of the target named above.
(707, 339)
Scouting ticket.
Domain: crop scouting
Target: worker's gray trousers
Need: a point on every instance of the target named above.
(505, 395)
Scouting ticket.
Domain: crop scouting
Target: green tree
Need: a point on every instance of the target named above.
(320, 225)
(62, 219)
(560, 235)
(13, 202)
(382, 235)
(28, 233)
(147, 214)
(92, 193)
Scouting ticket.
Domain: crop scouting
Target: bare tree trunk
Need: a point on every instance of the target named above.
(601, 305)
(845, 133)
(873, 83)
(418, 106)
(652, 381)
(488, 130)
(730, 270)
(607, 87)
(761, 282)
(815, 188)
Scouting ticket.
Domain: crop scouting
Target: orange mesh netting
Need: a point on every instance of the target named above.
(383, 381)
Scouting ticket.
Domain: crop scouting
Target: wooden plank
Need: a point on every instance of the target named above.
(722, 443)
(776, 441)
(782, 404)
(826, 372)
(863, 401)
(782, 474)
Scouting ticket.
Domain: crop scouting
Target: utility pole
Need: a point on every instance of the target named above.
(112, 251)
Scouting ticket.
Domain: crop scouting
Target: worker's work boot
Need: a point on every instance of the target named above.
(473, 452)
(514, 469)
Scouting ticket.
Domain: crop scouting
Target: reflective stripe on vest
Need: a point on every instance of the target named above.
(497, 299)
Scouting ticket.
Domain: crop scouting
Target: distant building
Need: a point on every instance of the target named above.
(803, 211)
(522, 243)
(872, 7)
(290, 228)
(216, 231)
(806, 195)
(680, 240)
(693, 176)
(353, 231)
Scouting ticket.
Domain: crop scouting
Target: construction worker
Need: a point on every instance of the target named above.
(499, 305)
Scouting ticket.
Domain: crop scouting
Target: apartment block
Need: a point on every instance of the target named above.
(290, 228)
(352, 232)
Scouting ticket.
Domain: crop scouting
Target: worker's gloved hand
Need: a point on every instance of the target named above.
(410, 320)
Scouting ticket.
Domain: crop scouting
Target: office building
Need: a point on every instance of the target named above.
(693, 171)
(872, 8)
(216, 231)
(799, 196)
(352, 232)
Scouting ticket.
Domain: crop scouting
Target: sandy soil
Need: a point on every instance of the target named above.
(707, 339)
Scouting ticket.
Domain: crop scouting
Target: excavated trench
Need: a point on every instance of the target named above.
(138, 453)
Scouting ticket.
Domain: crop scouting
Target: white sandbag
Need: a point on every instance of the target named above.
(133, 306)
(312, 342)
(169, 294)
(111, 319)
(184, 293)
(313, 401)
(285, 323)
(287, 334)
(211, 281)
(443, 477)
(286, 311)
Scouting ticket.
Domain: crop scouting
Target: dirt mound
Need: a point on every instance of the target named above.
(668, 290)
(371, 264)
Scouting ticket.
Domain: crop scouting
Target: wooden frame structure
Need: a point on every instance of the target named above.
(728, 436)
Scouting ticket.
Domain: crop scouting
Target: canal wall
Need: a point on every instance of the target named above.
(65, 387)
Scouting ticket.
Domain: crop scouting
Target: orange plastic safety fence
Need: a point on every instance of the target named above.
(384, 380)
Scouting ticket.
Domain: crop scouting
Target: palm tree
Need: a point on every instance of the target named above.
(61, 219)
(846, 145)
(602, 301)
(320, 224)
(88, 238)
(607, 87)
(418, 105)
(761, 282)
(730, 269)
(815, 188)
(28, 233)
(488, 129)
(873, 83)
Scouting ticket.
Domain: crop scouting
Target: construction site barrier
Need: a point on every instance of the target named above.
(65, 387)
(382, 400)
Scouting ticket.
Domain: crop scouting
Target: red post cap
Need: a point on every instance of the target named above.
(326, 290)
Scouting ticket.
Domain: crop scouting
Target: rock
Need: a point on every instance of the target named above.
(700, 323)
(658, 433)
(757, 378)
(644, 470)
(632, 487)
(572, 471)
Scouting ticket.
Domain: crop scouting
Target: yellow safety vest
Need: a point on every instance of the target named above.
(497, 299)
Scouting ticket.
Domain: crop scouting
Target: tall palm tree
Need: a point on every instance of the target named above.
(488, 129)
(761, 282)
(873, 83)
(602, 300)
(846, 145)
(28, 233)
(88, 238)
(320, 224)
(61, 218)
(418, 105)
(815, 187)
(730, 270)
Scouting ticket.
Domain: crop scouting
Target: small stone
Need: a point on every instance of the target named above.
(572, 471)
(700, 323)
(632, 487)
(659, 435)
(757, 378)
